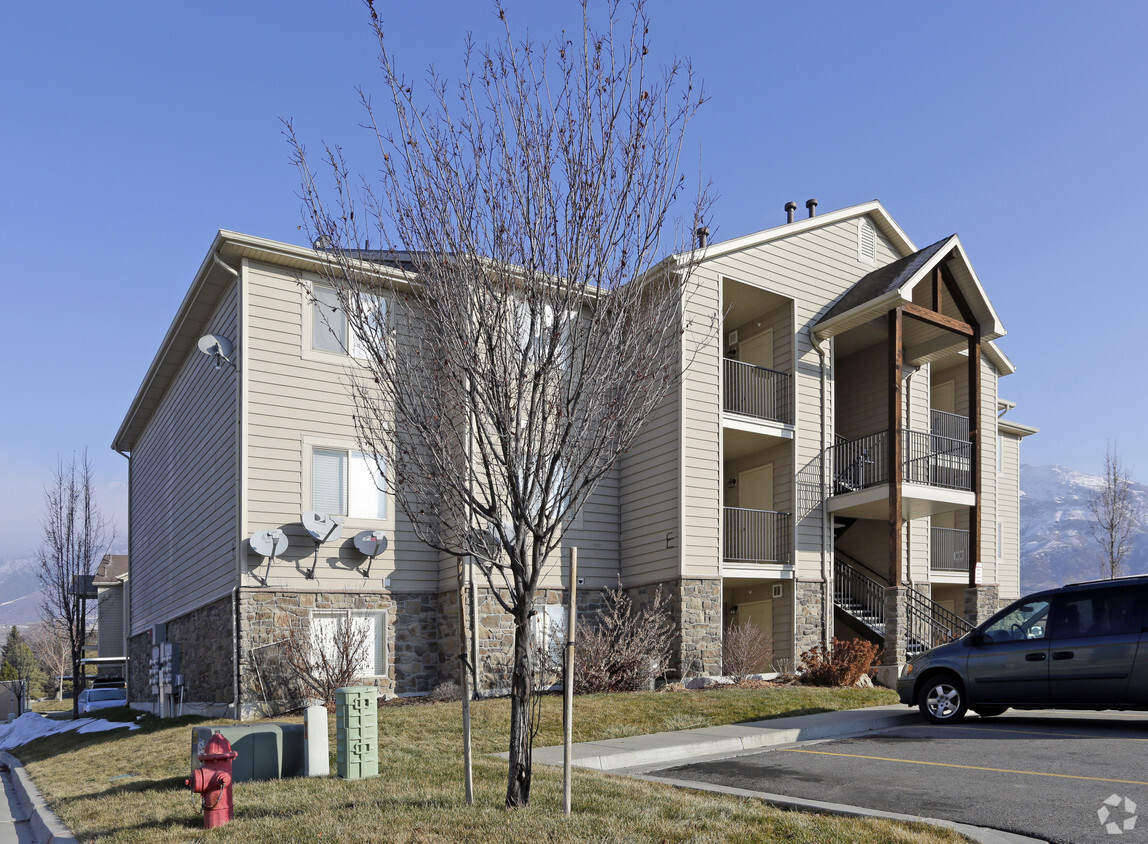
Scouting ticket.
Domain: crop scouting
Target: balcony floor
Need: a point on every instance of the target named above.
(919, 501)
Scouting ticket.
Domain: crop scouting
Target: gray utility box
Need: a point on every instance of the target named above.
(266, 751)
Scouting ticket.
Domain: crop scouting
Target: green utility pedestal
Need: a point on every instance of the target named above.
(357, 732)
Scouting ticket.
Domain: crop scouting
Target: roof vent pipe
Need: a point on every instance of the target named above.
(790, 207)
(703, 237)
(811, 204)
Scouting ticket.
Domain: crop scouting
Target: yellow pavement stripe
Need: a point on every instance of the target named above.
(1030, 732)
(950, 765)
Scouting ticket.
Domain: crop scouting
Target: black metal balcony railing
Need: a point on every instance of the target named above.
(951, 425)
(757, 391)
(757, 536)
(928, 459)
(949, 550)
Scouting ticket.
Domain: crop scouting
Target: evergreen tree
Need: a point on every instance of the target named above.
(19, 663)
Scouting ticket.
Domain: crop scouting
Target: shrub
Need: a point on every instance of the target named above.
(841, 664)
(746, 649)
(446, 692)
(324, 659)
(622, 649)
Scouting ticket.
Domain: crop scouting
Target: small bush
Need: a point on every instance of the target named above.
(841, 664)
(446, 692)
(746, 649)
(622, 649)
(784, 668)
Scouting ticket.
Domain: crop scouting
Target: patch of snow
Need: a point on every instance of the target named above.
(32, 725)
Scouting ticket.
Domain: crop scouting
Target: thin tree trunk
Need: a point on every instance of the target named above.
(518, 776)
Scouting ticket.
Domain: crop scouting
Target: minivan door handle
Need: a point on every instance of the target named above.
(1039, 656)
(1062, 654)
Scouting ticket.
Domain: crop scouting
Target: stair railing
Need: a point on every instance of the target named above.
(858, 594)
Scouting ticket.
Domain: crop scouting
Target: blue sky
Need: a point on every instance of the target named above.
(132, 131)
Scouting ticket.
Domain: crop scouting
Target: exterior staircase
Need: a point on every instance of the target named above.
(862, 598)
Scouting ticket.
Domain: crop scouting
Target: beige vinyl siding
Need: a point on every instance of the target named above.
(596, 534)
(184, 491)
(988, 430)
(813, 269)
(1008, 486)
(298, 400)
(701, 434)
(863, 392)
(111, 621)
(648, 499)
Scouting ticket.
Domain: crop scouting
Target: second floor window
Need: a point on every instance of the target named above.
(330, 331)
(347, 483)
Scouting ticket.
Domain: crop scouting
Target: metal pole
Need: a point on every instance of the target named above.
(468, 769)
(568, 684)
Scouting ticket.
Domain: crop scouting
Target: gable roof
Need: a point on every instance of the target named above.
(214, 277)
(884, 280)
(891, 286)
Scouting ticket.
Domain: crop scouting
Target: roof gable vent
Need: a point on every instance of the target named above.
(866, 242)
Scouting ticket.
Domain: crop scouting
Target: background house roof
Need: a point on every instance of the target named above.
(112, 567)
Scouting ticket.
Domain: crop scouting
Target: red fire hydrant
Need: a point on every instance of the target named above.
(213, 781)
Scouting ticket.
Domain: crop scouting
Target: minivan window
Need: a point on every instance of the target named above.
(1028, 620)
(1104, 612)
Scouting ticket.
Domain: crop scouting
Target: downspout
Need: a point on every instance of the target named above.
(826, 573)
(240, 499)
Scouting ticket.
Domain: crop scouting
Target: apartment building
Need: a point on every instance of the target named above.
(836, 461)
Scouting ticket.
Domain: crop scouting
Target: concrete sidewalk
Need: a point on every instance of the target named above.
(664, 748)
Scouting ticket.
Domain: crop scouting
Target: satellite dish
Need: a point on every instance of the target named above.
(218, 347)
(370, 543)
(322, 527)
(269, 543)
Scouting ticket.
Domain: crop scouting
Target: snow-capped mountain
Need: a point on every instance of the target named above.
(1056, 543)
(19, 592)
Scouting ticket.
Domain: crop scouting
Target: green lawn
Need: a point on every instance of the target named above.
(128, 787)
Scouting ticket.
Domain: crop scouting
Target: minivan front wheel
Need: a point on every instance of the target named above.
(942, 700)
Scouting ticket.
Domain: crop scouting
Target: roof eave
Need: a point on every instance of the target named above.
(874, 208)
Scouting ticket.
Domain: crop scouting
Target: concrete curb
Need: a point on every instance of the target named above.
(46, 826)
(661, 749)
(982, 834)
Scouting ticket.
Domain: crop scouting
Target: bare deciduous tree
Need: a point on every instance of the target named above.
(527, 333)
(75, 537)
(1113, 514)
(49, 642)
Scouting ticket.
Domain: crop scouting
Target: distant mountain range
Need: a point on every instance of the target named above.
(19, 593)
(1056, 544)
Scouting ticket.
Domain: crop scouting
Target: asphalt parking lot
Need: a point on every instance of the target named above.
(1060, 776)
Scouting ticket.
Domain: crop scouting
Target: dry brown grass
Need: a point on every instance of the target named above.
(128, 787)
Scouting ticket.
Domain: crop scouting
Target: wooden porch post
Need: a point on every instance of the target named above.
(896, 461)
(975, 457)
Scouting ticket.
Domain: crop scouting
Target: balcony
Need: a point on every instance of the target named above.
(935, 470)
(949, 550)
(758, 392)
(757, 536)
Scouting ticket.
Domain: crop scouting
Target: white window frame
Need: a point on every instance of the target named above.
(311, 445)
(379, 638)
(352, 347)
